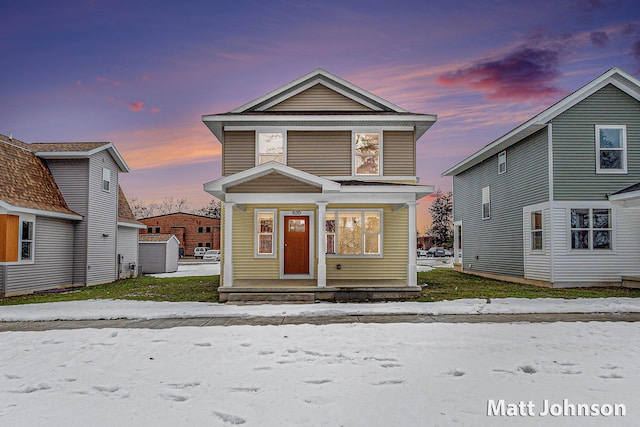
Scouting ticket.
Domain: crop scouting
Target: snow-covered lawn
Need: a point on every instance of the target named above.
(193, 269)
(118, 309)
(332, 375)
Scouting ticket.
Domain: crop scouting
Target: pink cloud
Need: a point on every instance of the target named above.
(145, 77)
(525, 73)
(135, 106)
(115, 83)
(155, 110)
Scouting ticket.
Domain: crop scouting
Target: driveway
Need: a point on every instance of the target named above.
(193, 269)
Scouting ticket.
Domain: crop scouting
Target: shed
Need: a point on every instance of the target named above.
(158, 253)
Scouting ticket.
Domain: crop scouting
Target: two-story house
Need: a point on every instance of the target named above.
(555, 200)
(64, 221)
(319, 193)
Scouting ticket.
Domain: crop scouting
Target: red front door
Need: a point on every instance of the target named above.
(296, 245)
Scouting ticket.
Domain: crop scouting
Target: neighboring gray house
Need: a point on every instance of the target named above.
(556, 200)
(61, 217)
(159, 253)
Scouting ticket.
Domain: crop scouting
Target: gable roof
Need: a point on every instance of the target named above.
(323, 77)
(77, 150)
(126, 217)
(219, 187)
(376, 111)
(616, 77)
(156, 238)
(26, 184)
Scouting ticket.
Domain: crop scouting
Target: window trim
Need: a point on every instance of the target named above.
(591, 229)
(257, 143)
(380, 133)
(623, 149)
(32, 220)
(363, 233)
(487, 202)
(533, 230)
(106, 178)
(504, 155)
(256, 234)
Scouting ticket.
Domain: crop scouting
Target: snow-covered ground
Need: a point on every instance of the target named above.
(331, 375)
(116, 309)
(193, 269)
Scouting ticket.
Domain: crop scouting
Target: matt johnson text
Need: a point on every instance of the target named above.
(500, 408)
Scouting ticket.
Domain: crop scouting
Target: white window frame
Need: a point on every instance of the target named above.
(486, 200)
(502, 155)
(380, 134)
(106, 178)
(284, 144)
(591, 230)
(623, 149)
(257, 234)
(533, 231)
(336, 235)
(32, 220)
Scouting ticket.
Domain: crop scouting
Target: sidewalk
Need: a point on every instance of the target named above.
(166, 323)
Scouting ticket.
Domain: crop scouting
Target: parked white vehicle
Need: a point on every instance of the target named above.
(199, 252)
(212, 255)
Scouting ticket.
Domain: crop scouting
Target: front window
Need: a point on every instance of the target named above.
(611, 143)
(591, 229)
(353, 233)
(367, 153)
(536, 230)
(26, 241)
(270, 147)
(502, 162)
(265, 233)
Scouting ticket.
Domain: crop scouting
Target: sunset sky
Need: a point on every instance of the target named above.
(141, 73)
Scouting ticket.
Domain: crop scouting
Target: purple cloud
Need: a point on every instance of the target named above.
(526, 73)
(635, 50)
(599, 38)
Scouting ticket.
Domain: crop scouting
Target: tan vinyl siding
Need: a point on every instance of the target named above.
(393, 264)
(238, 151)
(245, 264)
(574, 152)
(399, 153)
(319, 98)
(274, 183)
(322, 153)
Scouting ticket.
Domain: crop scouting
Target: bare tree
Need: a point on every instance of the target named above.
(142, 209)
(212, 210)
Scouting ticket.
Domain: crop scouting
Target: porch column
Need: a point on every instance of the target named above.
(227, 278)
(412, 268)
(322, 250)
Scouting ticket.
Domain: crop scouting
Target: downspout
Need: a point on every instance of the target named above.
(551, 211)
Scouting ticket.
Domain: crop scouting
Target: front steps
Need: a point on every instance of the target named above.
(311, 295)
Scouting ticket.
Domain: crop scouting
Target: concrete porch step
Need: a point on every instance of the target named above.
(294, 297)
(631, 282)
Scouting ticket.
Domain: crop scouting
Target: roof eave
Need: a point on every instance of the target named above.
(86, 154)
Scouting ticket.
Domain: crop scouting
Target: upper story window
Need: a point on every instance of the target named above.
(200, 229)
(367, 153)
(611, 149)
(502, 162)
(271, 147)
(150, 230)
(106, 179)
(486, 203)
(207, 229)
(591, 228)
